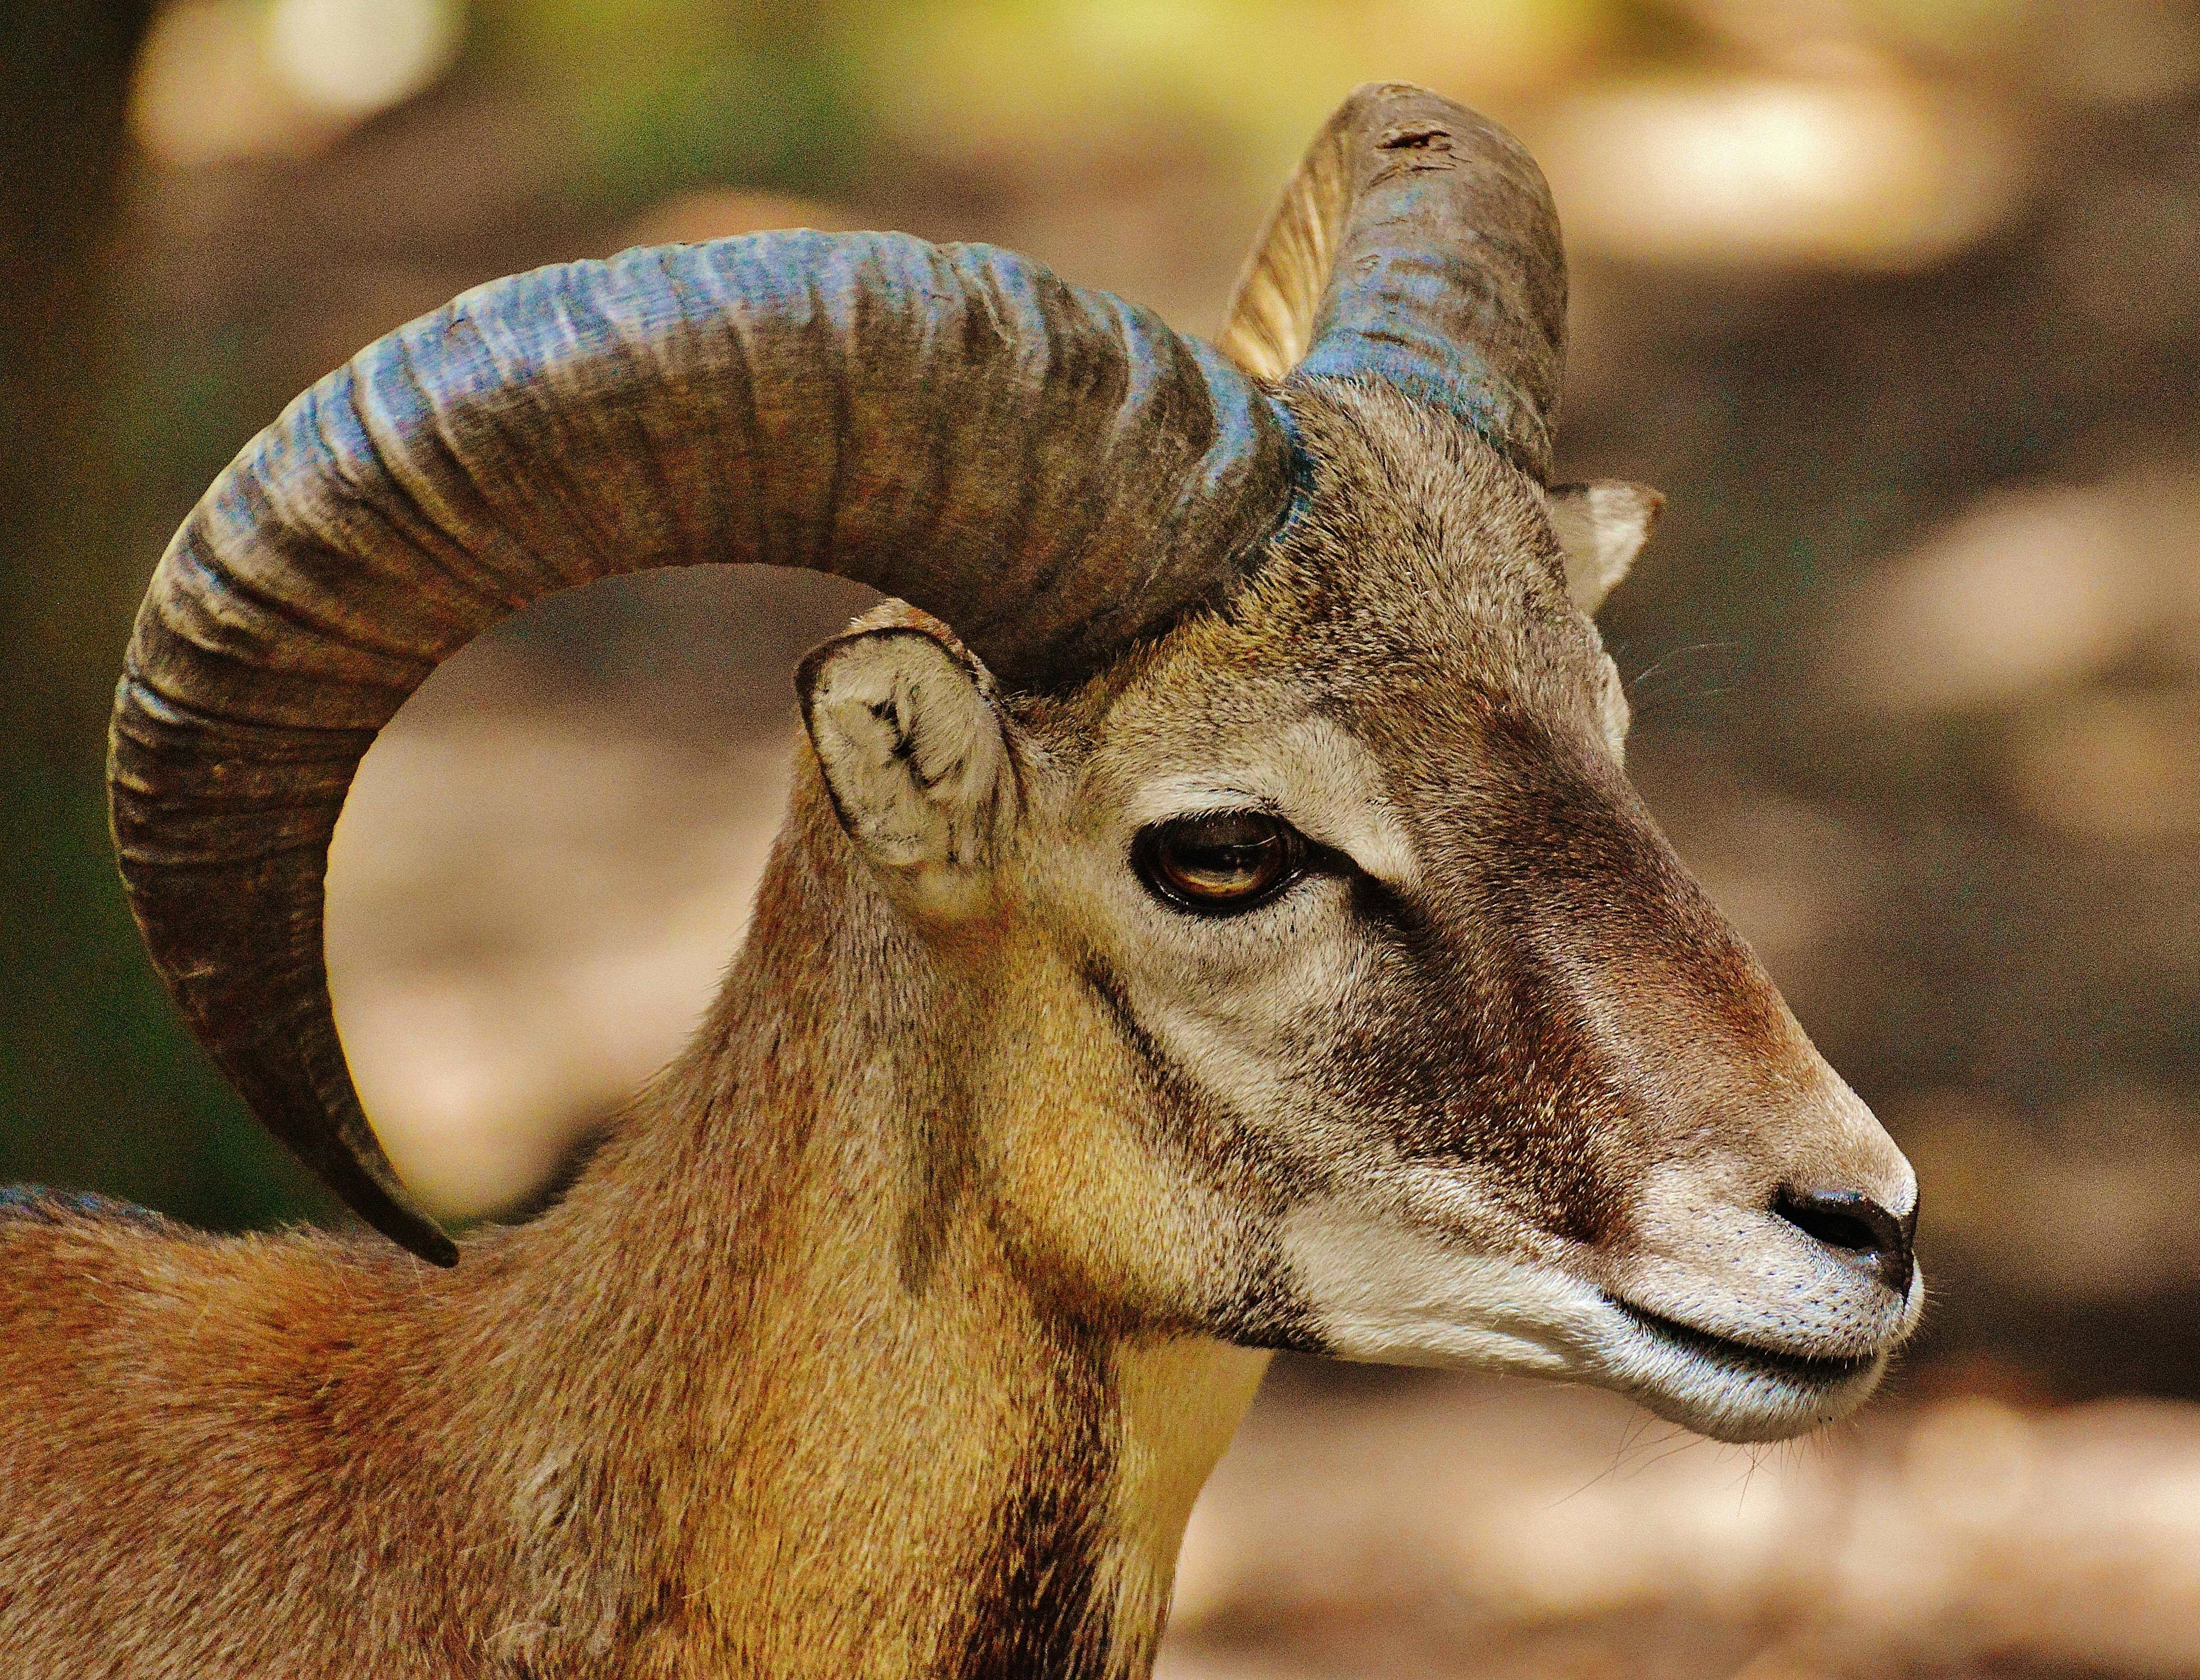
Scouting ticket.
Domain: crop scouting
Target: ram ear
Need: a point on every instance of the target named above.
(1601, 527)
(910, 734)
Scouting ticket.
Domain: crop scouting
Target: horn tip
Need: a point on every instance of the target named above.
(426, 1241)
(385, 1205)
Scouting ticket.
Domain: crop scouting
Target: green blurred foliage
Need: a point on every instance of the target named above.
(100, 1084)
(662, 95)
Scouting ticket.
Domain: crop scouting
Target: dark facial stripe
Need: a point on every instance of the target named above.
(1467, 1045)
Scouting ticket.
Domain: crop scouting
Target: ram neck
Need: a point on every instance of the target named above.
(876, 1447)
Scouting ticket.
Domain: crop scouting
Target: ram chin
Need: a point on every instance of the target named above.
(1727, 1390)
(1414, 1297)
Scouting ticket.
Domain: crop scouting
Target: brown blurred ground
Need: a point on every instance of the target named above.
(1446, 1527)
(1898, 302)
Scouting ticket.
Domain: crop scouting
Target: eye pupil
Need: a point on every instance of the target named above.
(1227, 860)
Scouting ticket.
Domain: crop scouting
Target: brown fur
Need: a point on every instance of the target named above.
(891, 1333)
(689, 1422)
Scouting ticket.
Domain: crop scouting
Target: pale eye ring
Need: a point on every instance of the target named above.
(1220, 862)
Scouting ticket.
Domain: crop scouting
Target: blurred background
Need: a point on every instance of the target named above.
(1898, 300)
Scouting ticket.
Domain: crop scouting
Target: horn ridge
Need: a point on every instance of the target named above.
(1416, 244)
(1051, 471)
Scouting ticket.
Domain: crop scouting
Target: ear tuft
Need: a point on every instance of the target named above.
(1601, 527)
(914, 754)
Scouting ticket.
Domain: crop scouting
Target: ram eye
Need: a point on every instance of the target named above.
(1219, 863)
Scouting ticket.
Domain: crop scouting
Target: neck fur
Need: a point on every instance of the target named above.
(826, 1423)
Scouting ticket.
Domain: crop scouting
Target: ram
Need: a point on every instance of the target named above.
(1236, 932)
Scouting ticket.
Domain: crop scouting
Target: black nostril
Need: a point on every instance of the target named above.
(1853, 1222)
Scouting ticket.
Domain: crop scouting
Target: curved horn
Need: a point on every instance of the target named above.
(1417, 243)
(1048, 470)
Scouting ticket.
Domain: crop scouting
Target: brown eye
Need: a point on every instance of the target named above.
(1226, 862)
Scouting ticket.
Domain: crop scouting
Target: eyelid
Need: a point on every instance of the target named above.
(1187, 804)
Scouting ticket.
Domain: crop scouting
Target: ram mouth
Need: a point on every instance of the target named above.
(1801, 1369)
